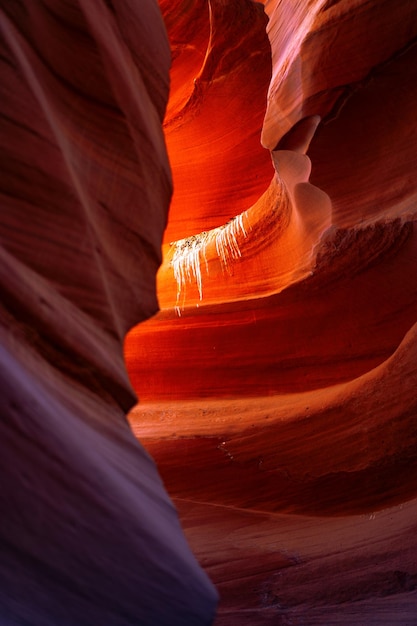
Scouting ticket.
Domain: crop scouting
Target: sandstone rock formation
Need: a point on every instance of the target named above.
(277, 383)
(88, 534)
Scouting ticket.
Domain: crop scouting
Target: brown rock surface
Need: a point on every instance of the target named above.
(88, 534)
(277, 383)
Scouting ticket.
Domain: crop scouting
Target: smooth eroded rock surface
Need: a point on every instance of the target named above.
(277, 383)
(88, 534)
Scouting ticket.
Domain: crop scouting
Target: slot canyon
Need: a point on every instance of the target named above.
(208, 313)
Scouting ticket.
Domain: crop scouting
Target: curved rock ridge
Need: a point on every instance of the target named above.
(88, 534)
(282, 367)
(323, 52)
(238, 437)
(279, 233)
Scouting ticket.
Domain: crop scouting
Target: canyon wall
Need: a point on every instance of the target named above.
(88, 534)
(277, 383)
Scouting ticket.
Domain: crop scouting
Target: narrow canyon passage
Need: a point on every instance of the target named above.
(209, 207)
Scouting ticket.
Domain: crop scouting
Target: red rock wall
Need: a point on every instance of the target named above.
(88, 534)
(282, 365)
(277, 382)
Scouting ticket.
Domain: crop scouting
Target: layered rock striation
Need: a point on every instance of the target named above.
(88, 534)
(277, 383)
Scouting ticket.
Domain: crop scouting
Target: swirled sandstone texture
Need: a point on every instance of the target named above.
(277, 382)
(88, 534)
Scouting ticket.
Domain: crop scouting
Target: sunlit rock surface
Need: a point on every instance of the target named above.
(277, 383)
(88, 535)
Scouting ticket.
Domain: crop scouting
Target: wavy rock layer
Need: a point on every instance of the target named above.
(88, 534)
(278, 381)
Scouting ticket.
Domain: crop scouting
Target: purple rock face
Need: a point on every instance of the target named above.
(88, 535)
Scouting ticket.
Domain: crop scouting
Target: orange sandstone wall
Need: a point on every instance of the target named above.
(277, 383)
